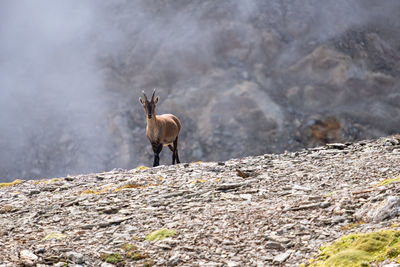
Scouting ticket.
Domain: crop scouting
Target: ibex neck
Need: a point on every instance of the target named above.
(152, 129)
(151, 122)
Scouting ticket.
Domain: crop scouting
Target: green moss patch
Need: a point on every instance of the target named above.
(352, 226)
(160, 234)
(130, 252)
(129, 247)
(349, 257)
(360, 249)
(148, 263)
(112, 258)
(18, 181)
(136, 256)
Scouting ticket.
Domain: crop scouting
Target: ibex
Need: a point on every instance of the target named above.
(162, 130)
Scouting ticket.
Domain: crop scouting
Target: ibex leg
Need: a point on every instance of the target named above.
(157, 147)
(176, 150)
(173, 153)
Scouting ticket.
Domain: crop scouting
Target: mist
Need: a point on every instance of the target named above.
(51, 99)
(71, 73)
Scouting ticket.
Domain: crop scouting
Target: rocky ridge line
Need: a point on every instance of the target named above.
(256, 211)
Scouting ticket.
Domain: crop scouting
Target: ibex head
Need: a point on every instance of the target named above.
(149, 106)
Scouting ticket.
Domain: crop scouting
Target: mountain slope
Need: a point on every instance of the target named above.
(258, 211)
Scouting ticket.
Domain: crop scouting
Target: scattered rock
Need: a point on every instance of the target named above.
(391, 265)
(28, 257)
(336, 146)
(280, 258)
(242, 174)
(173, 261)
(379, 211)
(324, 204)
(105, 264)
(224, 187)
(274, 245)
(75, 257)
(233, 264)
(295, 204)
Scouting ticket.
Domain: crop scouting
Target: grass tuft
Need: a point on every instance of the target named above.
(141, 167)
(389, 181)
(135, 186)
(15, 182)
(102, 191)
(52, 236)
(54, 180)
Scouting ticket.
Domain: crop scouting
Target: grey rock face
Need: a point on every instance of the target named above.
(244, 78)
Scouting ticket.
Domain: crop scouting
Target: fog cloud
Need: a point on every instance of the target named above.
(55, 101)
(50, 92)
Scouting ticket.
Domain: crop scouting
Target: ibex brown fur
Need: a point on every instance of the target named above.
(162, 130)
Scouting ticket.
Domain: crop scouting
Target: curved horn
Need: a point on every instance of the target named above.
(145, 97)
(152, 96)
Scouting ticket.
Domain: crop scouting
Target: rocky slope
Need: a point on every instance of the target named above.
(269, 210)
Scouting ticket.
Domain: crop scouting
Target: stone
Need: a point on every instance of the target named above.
(301, 188)
(380, 211)
(325, 204)
(224, 187)
(233, 264)
(28, 257)
(280, 258)
(173, 261)
(391, 265)
(336, 146)
(274, 245)
(75, 257)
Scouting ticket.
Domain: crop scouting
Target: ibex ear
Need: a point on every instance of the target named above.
(156, 100)
(141, 100)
